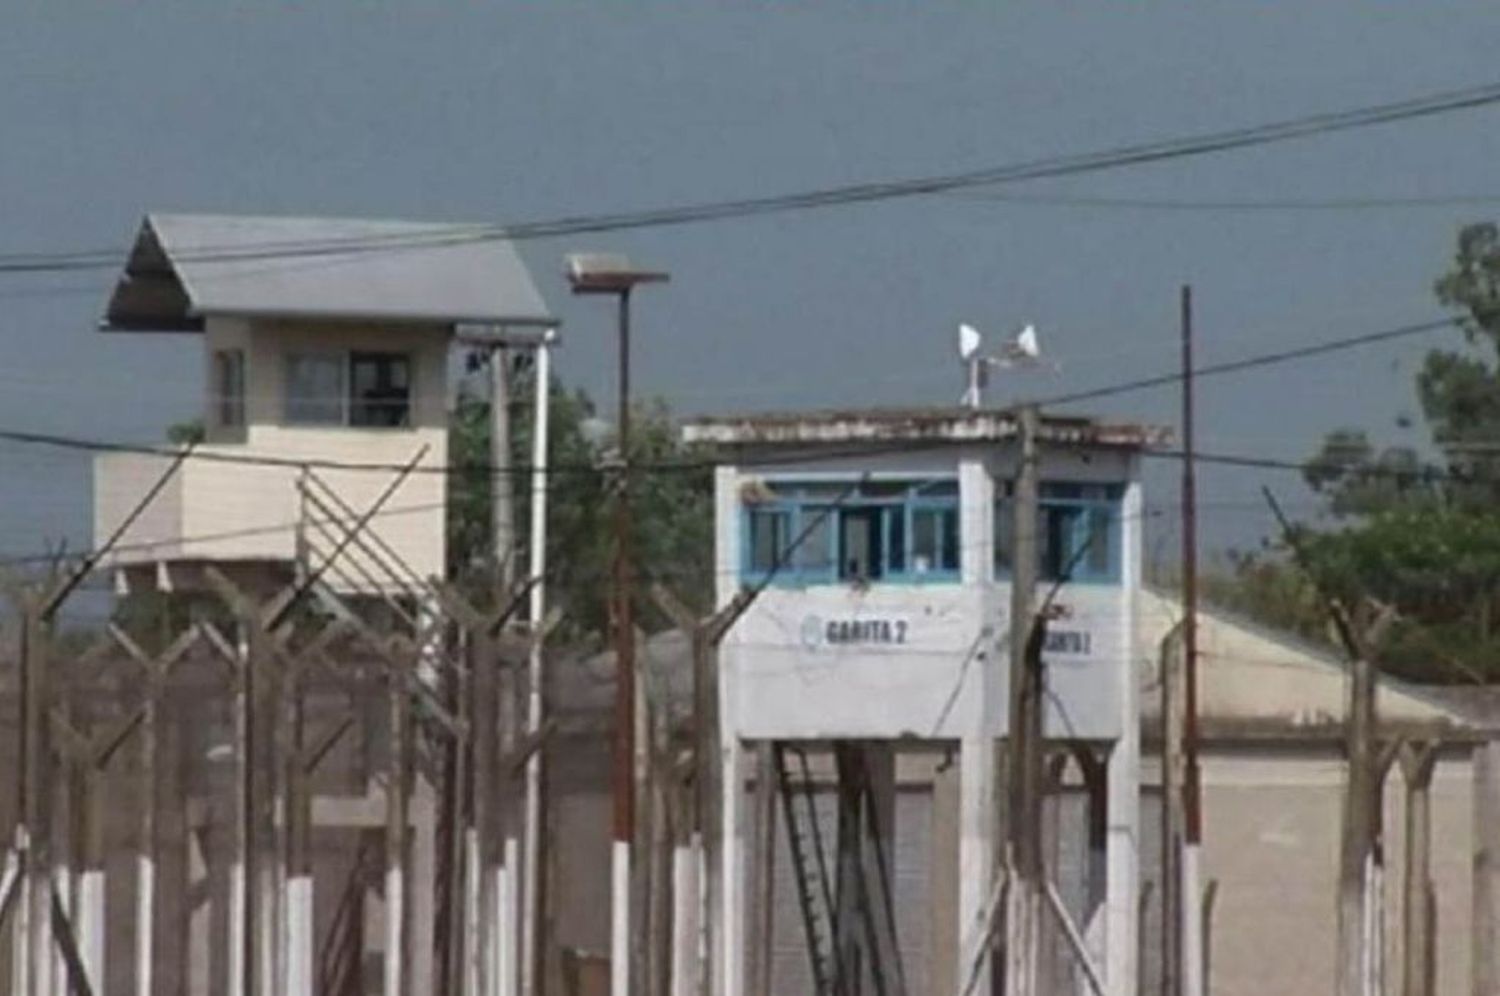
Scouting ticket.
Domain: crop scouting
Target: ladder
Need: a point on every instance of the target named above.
(813, 884)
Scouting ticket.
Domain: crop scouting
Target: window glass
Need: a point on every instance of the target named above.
(229, 388)
(860, 544)
(1004, 529)
(926, 540)
(1077, 532)
(948, 519)
(887, 530)
(815, 554)
(895, 539)
(769, 530)
(380, 389)
(314, 389)
(1098, 561)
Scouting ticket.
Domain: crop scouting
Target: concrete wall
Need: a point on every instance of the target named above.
(1271, 840)
(260, 504)
(941, 673)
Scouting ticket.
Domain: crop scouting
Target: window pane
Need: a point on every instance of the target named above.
(229, 387)
(1099, 560)
(859, 544)
(314, 389)
(926, 540)
(815, 554)
(380, 389)
(1004, 528)
(895, 539)
(768, 529)
(949, 521)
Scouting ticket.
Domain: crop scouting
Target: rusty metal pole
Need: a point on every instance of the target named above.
(626, 950)
(1190, 947)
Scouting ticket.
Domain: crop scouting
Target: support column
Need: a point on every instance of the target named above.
(199, 912)
(978, 826)
(731, 961)
(1484, 926)
(397, 780)
(89, 912)
(298, 915)
(422, 891)
(763, 895)
(1417, 763)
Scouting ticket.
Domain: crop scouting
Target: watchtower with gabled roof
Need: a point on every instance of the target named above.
(325, 367)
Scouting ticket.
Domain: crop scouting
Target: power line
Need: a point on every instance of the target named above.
(695, 466)
(1262, 360)
(1233, 205)
(860, 193)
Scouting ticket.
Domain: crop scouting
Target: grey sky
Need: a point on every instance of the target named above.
(483, 110)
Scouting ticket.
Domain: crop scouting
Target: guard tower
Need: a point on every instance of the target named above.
(325, 348)
(882, 541)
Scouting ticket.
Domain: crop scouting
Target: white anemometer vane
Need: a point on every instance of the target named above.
(1020, 350)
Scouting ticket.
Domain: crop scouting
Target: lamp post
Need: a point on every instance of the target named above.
(608, 273)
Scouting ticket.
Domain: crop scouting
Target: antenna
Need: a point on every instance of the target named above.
(1021, 350)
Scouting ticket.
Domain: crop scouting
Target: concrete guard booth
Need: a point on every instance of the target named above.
(887, 625)
(322, 340)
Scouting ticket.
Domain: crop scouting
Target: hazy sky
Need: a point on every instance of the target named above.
(481, 110)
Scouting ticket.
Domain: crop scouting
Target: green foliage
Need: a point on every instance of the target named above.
(182, 433)
(1265, 587)
(1422, 539)
(671, 509)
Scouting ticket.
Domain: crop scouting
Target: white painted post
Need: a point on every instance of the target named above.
(505, 940)
(145, 872)
(89, 918)
(531, 909)
(976, 856)
(299, 928)
(732, 912)
(684, 920)
(1192, 920)
(1123, 774)
(619, 919)
(473, 936)
(510, 979)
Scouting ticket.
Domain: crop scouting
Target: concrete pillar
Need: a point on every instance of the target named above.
(198, 907)
(943, 879)
(977, 829)
(1484, 945)
(421, 886)
(731, 963)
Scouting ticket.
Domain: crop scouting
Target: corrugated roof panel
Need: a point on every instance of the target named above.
(330, 268)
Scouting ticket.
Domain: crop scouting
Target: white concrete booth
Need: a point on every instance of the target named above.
(879, 543)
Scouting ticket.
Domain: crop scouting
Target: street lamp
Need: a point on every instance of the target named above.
(610, 273)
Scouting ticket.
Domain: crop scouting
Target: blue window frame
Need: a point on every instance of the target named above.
(1079, 529)
(900, 531)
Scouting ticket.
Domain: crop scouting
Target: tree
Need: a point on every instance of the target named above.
(1424, 537)
(671, 502)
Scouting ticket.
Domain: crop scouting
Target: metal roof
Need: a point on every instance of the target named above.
(183, 267)
(932, 425)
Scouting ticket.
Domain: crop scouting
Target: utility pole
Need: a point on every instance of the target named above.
(600, 273)
(502, 497)
(532, 843)
(1024, 754)
(1190, 947)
